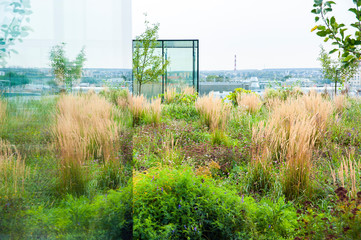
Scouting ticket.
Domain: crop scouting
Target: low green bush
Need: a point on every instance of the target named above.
(108, 216)
(177, 204)
(181, 112)
(232, 97)
(181, 98)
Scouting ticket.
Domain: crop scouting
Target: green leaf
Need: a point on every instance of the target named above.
(321, 33)
(334, 50)
(348, 58)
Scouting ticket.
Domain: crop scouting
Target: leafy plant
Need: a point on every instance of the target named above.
(232, 97)
(334, 70)
(108, 216)
(15, 30)
(147, 65)
(329, 29)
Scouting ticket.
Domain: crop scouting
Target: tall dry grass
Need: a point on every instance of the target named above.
(249, 102)
(320, 108)
(13, 172)
(188, 90)
(138, 106)
(154, 110)
(297, 171)
(213, 111)
(289, 137)
(170, 94)
(340, 103)
(124, 100)
(141, 108)
(84, 130)
(347, 174)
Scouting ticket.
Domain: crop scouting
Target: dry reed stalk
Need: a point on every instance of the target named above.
(272, 103)
(85, 129)
(249, 102)
(170, 94)
(288, 136)
(13, 171)
(188, 91)
(340, 103)
(298, 166)
(322, 109)
(155, 110)
(138, 106)
(124, 101)
(213, 111)
(347, 174)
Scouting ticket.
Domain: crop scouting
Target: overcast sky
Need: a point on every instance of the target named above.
(263, 33)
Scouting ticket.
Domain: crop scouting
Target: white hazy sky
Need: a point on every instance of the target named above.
(263, 33)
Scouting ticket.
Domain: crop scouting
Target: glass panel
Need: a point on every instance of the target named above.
(182, 70)
(102, 27)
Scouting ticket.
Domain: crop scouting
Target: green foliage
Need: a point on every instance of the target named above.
(113, 94)
(177, 204)
(181, 112)
(260, 178)
(218, 137)
(232, 97)
(147, 65)
(108, 216)
(342, 221)
(64, 70)
(171, 203)
(334, 70)
(18, 11)
(330, 29)
(282, 93)
(181, 98)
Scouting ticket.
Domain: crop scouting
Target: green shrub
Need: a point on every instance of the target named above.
(181, 111)
(177, 204)
(181, 98)
(232, 97)
(108, 216)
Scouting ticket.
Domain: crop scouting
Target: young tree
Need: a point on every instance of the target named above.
(147, 65)
(348, 44)
(334, 70)
(64, 70)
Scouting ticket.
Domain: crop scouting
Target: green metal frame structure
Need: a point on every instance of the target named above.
(183, 68)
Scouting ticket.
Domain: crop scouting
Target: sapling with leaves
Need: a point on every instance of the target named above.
(148, 66)
(334, 70)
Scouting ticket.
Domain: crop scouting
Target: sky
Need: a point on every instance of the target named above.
(263, 33)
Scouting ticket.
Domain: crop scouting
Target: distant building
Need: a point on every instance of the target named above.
(355, 81)
(254, 83)
(299, 81)
(2, 73)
